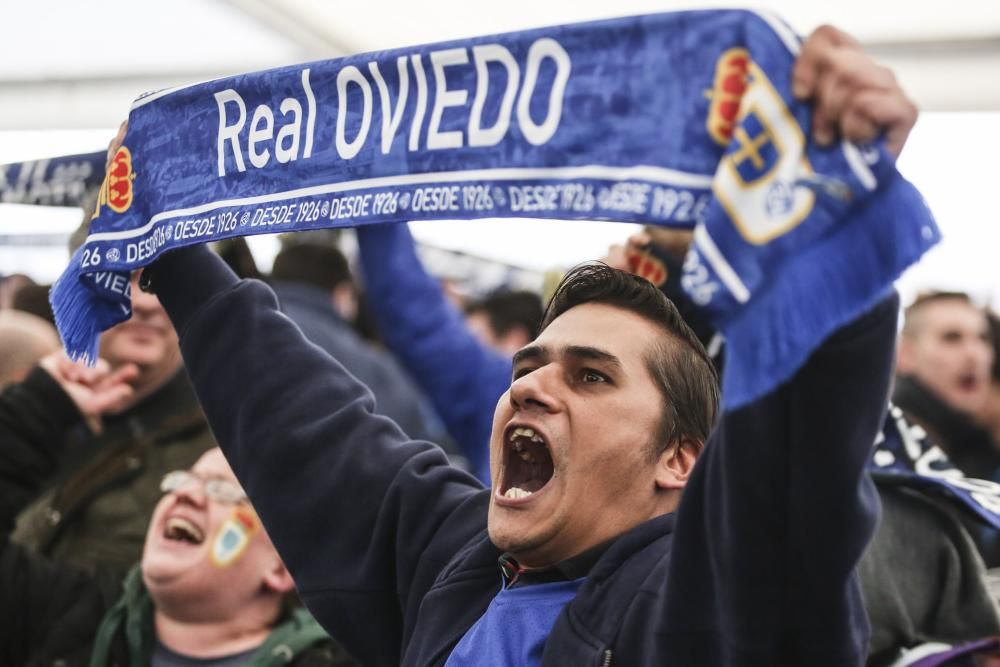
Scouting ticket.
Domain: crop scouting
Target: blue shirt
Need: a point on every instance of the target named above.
(513, 630)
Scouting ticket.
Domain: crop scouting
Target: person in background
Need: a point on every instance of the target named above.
(24, 339)
(34, 299)
(989, 414)
(10, 285)
(315, 288)
(100, 502)
(944, 367)
(462, 375)
(210, 588)
(506, 320)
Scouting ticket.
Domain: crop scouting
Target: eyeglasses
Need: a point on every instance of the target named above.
(220, 490)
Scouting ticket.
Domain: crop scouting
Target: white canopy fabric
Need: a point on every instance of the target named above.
(66, 64)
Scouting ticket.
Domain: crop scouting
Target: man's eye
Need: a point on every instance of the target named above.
(521, 372)
(592, 376)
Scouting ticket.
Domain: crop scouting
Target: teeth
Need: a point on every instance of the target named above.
(180, 528)
(516, 493)
(526, 432)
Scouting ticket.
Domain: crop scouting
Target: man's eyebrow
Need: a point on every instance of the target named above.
(592, 354)
(532, 352)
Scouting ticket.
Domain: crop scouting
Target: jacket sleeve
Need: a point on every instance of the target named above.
(36, 592)
(462, 377)
(779, 511)
(364, 518)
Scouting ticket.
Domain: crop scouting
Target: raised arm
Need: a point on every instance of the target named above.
(364, 518)
(779, 511)
(463, 377)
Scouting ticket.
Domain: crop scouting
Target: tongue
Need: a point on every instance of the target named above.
(527, 477)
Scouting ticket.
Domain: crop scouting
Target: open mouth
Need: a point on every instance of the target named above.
(968, 382)
(527, 463)
(180, 529)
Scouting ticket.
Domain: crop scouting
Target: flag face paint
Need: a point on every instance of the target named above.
(234, 537)
(684, 120)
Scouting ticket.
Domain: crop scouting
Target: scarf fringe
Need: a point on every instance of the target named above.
(80, 314)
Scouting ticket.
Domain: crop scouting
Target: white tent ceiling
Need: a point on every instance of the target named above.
(67, 64)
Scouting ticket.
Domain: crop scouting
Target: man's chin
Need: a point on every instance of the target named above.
(513, 535)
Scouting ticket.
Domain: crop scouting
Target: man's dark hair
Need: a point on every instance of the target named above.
(315, 264)
(508, 309)
(680, 366)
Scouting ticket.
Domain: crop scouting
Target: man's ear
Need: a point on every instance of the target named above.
(676, 463)
(278, 579)
(345, 302)
(904, 356)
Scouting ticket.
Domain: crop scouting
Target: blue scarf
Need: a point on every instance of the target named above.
(683, 119)
(59, 181)
(904, 455)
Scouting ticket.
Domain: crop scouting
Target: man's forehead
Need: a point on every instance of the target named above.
(213, 465)
(600, 326)
(950, 314)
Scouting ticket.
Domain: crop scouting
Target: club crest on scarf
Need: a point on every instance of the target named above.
(731, 72)
(766, 157)
(648, 266)
(116, 191)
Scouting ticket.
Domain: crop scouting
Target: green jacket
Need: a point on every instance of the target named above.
(50, 612)
(126, 636)
(98, 513)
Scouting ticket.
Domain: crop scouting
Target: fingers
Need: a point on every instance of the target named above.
(854, 98)
(639, 240)
(63, 370)
(815, 58)
(123, 376)
(81, 373)
(116, 143)
(108, 400)
(95, 391)
(853, 73)
(889, 109)
(617, 257)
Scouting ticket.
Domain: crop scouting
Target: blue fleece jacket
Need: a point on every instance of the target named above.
(387, 542)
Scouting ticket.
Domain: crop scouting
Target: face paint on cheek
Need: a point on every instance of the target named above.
(234, 536)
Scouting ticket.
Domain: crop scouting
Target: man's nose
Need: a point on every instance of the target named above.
(193, 492)
(537, 390)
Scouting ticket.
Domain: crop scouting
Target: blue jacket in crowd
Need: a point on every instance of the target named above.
(388, 544)
(462, 377)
